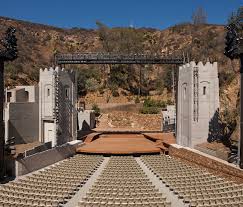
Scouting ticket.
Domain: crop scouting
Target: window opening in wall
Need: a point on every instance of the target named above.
(9, 95)
(204, 90)
(184, 92)
(26, 96)
(66, 93)
(48, 92)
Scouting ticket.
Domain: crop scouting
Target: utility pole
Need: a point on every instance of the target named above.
(9, 53)
(234, 50)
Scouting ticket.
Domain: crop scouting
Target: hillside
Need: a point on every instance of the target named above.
(38, 43)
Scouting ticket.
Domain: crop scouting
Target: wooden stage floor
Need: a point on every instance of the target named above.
(119, 144)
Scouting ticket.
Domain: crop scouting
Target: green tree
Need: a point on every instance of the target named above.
(92, 74)
(104, 35)
(167, 79)
(96, 109)
(92, 85)
(121, 41)
(236, 17)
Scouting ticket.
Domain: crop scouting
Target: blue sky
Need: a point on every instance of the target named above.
(139, 13)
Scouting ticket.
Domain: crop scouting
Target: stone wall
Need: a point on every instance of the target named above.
(86, 120)
(22, 122)
(40, 160)
(57, 108)
(213, 164)
(22, 94)
(126, 107)
(197, 102)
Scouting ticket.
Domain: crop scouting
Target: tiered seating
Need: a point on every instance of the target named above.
(50, 187)
(123, 183)
(195, 185)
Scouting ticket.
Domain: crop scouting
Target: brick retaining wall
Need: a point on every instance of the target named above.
(213, 164)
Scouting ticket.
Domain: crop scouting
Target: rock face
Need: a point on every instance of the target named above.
(37, 43)
(130, 121)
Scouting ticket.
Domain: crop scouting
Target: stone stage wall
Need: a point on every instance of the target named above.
(40, 160)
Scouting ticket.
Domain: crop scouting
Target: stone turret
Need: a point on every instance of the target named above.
(57, 105)
(197, 103)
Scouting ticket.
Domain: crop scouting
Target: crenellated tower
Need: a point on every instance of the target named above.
(197, 103)
(57, 105)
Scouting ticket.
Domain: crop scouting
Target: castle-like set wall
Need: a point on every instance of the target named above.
(44, 113)
(197, 102)
(22, 94)
(169, 115)
(21, 114)
(23, 122)
(86, 120)
(57, 108)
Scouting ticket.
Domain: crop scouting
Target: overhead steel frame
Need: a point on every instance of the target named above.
(106, 58)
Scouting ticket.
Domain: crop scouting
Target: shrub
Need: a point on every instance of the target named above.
(129, 98)
(13, 70)
(159, 85)
(149, 110)
(96, 109)
(167, 78)
(92, 84)
(137, 100)
(34, 74)
(108, 98)
(115, 93)
(225, 78)
(124, 93)
(86, 78)
(154, 103)
(151, 106)
(101, 90)
(169, 102)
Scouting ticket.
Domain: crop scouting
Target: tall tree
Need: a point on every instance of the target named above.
(121, 41)
(236, 18)
(199, 16)
(8, 53)
(104, 36)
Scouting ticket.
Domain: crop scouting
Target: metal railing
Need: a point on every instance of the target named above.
(108, 58)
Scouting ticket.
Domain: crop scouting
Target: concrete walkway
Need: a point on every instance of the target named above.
(175, 202)
(73, 202)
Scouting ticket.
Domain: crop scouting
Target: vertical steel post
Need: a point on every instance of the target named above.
(140, 80)
(173, 84)
(241, 112)
(176, 98)
(2, 140)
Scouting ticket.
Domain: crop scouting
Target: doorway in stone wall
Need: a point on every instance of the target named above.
(48, 134)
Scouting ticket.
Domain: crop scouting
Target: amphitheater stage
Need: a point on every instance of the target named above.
(121, 144)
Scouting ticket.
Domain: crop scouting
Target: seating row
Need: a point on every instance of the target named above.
(51, 186)
(123, 183)
(193, 184)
